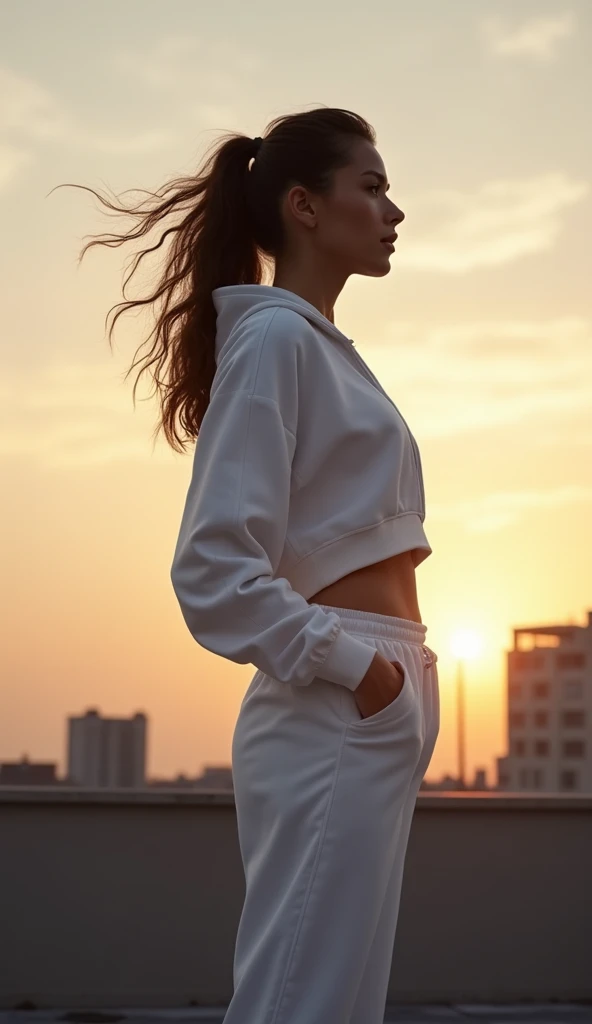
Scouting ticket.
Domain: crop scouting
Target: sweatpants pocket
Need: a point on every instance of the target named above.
(393, 709)
(348, 709)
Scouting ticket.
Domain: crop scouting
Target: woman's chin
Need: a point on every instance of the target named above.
(384, 269)
(379, 268)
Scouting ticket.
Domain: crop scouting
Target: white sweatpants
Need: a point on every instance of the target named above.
(324, 801)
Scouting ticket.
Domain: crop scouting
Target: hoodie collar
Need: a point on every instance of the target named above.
(234, 301)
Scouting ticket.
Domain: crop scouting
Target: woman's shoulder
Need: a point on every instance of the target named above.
(276, 337)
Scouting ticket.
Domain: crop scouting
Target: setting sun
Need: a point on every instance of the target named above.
(466, 643)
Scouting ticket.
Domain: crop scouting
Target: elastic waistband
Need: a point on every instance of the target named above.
(388, 627)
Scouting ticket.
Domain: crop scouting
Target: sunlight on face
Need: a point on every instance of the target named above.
(466, 643)
(358, 214)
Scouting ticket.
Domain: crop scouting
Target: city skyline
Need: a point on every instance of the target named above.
(548, 728)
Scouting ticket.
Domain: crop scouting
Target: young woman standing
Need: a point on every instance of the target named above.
(299, 540)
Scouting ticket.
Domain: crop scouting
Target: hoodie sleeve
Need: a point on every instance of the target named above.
(233, 531)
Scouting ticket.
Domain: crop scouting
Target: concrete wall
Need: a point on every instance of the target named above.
(132, 899)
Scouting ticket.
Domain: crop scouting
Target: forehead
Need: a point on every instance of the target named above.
(364, 157)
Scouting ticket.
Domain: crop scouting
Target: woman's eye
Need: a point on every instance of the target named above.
(375, 186)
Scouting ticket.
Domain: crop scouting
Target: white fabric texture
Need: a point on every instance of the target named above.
(304, 470)
(324, 805)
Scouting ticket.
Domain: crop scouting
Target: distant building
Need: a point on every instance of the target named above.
(444, 784)
(549, 694)
(27, 773)
(108, 752)
(450, 783)
(215, 777)
(180, 781)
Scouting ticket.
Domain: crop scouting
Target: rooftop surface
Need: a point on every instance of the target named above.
(440, 1013)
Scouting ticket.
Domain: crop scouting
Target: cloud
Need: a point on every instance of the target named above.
(71, 415)
(199, 78)
(13, 159)
(537, 37)
(504, 219)
(29, 109)
(487, 375)
(499, 509)
(127, 145)
(30, 116)
(176, 63)
(160, 67)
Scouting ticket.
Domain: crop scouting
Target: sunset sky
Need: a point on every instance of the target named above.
(481, 333)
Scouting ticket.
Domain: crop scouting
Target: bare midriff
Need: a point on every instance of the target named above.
(387, 588)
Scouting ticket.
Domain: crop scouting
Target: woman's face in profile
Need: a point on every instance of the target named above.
(343, 230)
(358, 214)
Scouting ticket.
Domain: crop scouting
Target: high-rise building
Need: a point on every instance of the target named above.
(549, 692)
(106, 751)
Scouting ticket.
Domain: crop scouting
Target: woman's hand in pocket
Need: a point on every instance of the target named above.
(381, 685)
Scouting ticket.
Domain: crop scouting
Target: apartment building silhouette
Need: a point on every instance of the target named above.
(549, 700)
(106, 751)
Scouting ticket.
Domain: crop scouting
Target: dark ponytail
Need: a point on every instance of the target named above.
(229, 232)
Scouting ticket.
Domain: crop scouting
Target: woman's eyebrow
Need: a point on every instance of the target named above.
(377, 174)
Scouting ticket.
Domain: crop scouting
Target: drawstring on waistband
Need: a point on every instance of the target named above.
(430, 656)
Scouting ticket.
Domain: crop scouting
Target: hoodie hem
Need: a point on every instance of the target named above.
(326, 564)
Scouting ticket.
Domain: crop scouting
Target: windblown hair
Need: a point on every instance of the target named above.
(230, 230)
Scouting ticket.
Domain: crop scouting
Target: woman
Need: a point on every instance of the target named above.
(300, 535)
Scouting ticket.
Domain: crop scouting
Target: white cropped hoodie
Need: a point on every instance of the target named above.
(304, 470)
